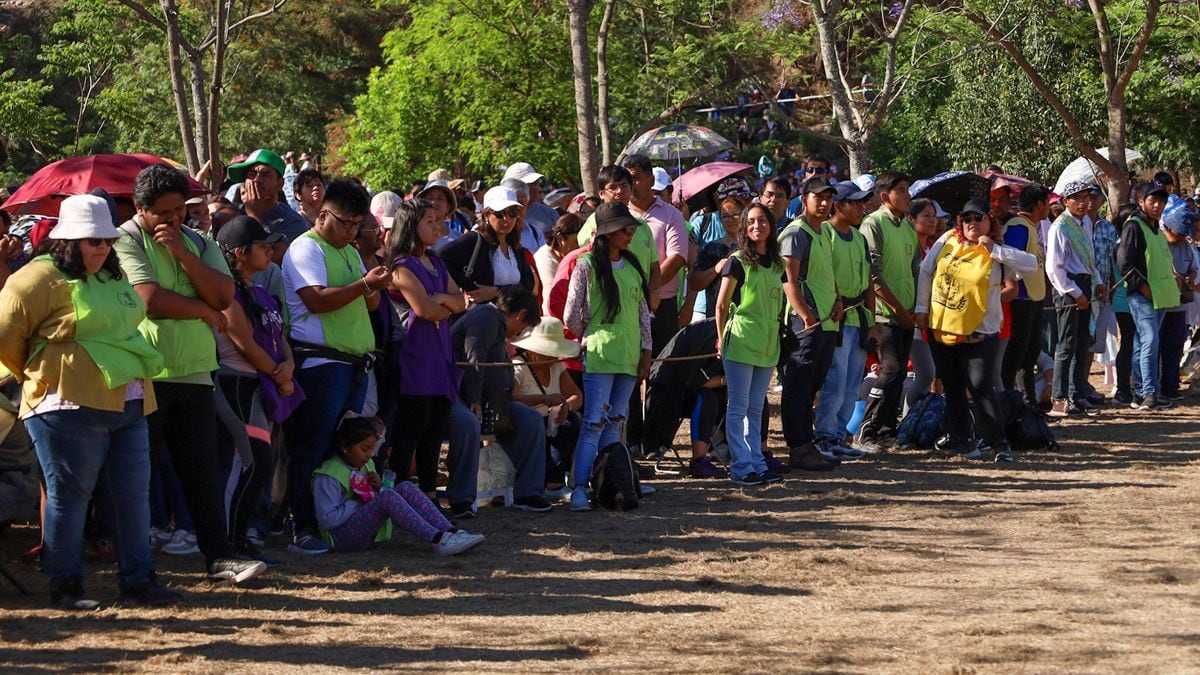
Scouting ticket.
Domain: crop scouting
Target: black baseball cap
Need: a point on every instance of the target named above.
(817, 185)
(976, 206)
(243, 231)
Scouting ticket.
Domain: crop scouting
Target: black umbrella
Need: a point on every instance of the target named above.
(952, 189)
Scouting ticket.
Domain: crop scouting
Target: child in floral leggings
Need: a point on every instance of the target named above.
(355, 509)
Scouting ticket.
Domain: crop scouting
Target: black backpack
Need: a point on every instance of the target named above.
(1027, 428)
(615, 483)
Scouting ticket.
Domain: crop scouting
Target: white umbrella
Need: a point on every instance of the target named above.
(1085, 170)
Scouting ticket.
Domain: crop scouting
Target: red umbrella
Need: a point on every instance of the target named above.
(46, 188)
(699, 179)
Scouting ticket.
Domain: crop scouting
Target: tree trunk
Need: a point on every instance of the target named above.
(175, 67)
(199, 83)
(585, 115)
(216, 172)
(849, 121)
(602, 83)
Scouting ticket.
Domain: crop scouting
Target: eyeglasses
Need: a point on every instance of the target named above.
(816, 169)
(510, 212)
(972, 217)
(96, 242)
(346, 224)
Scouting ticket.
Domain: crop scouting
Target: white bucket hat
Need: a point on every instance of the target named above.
(548, 339)
(499, 198)
(84, 217)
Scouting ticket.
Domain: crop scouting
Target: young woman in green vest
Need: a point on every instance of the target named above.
(748, 307)
(69, 332)
(606, 303)
(356, 508)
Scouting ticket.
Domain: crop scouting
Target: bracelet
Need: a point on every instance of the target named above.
(367, 290)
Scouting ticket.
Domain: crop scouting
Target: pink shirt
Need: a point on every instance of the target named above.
(670, 237)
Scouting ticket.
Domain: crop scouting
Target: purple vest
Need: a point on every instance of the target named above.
(424, 355)
(268, 334)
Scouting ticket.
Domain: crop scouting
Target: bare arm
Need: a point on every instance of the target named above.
(238, 329)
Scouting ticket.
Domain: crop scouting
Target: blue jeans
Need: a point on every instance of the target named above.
(1147, 321)
(78, 449)
(330, 388)
(839, 393)
(525, 446)
(746, 391)
(605, 404)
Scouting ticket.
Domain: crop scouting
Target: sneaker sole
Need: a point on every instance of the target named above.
(579, 509)
(248, 573)
(188, 551)
(292, 548)
(533, 509)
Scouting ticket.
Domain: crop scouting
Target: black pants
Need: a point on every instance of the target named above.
(1072, 349)
(883, 402)
(422, 423)
(1171, 337)
(239, 392)
(1024, 346)
(970, 367)
(803, 374)
(1126, 332)
(663, 326)
(563, 444)
(185, 426)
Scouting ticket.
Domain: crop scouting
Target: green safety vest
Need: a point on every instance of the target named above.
(1160, 269)
(852, 273)
(614, 347)
(348, 328)
(818, 277)
(338, 470)
(187, 345)
(107, 315)
(899, 246)
(752, 331)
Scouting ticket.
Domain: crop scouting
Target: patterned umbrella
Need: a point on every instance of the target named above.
(678, 141)
(952, 189)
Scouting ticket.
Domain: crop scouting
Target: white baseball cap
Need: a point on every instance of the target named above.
(499, 198)
(662, 179)
(84, 217)
(865, 182)
(524, 172)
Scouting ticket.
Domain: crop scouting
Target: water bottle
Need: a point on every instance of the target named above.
(389, 479)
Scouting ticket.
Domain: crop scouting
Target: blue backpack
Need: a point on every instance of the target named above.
(923, 423)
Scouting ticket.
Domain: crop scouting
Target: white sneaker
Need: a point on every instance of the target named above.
(182, 543)
(159, 538)
(453, 543)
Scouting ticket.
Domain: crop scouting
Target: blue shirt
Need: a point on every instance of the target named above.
(281, 218)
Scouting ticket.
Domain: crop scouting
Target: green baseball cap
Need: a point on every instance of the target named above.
(237, 171)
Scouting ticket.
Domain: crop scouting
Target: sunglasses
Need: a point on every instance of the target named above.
(346, 224)
(96, 242)
(972, 217)
(816, 169)
(510, 212)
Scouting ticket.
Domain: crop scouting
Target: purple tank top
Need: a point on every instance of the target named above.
(425, 356)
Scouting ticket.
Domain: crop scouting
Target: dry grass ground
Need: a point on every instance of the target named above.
(1083, 560)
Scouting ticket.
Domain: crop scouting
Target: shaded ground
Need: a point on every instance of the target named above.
(1083, 560)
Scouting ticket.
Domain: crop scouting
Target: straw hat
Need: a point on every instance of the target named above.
(548, 339)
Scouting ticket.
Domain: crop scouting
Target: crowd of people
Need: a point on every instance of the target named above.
(297, 356)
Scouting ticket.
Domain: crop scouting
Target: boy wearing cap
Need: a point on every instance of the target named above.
(1071, 266)
(1178, 222)
(261, 176)
(895, 260)
(1025, 341)
(815, 311)
(852, 278)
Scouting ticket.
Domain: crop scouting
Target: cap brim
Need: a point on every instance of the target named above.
(859, 196)
(531, 178)
(274, 238)
(500, 205)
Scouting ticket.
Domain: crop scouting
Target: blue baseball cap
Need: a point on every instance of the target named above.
(848, 191)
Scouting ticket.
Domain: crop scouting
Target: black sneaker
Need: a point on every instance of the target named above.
(235, 570)
(1121, 398)
(463, 511)
(1004, 456)
(278, 524)
(535, 503)
(308, 543)
(807, 458)
(69, 595)
(751, 479)
(770, 476)
(148, 594)
(246, 549)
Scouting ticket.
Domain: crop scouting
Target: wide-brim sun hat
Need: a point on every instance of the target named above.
(84, 217)
(499, 198)
(613, 216)
(548, 339)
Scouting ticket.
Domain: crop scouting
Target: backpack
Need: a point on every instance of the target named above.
(923, 423)
(1027, 428)
(615, 483)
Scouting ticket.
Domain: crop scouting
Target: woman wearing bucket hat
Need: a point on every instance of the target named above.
(542, 383)
(606, 304)
(69, 331)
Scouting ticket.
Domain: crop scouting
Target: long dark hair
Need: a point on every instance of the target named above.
(68, 258)
(253, 309)
(770, 257)
(602, 264)
(492, 237)
(403, 239)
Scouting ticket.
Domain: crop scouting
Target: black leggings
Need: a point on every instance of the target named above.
(970, 367)
(242, 397)
(422, 423)
(1126, 332)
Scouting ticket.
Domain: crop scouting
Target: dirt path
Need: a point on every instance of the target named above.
(1083, 560)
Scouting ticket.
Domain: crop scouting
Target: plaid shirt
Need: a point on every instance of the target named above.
(1104, 246)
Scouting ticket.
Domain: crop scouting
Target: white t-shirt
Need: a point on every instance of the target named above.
(505, 270)
(304, 267)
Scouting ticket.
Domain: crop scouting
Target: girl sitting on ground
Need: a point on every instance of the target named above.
(355, 509)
